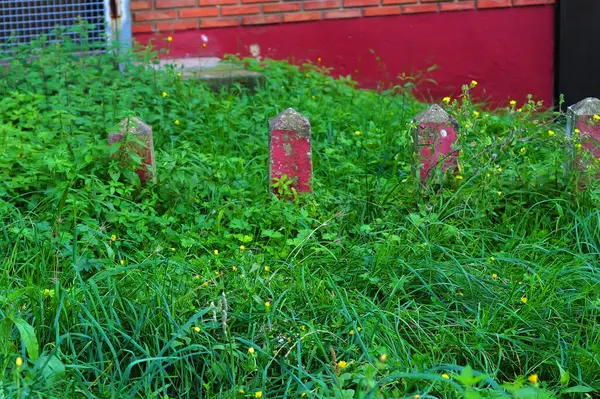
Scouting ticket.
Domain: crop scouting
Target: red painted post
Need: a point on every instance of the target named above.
(436, 136)
(290, 150)
(143, 133)
(583, 125)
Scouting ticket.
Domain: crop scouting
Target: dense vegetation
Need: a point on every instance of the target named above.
(207, 285)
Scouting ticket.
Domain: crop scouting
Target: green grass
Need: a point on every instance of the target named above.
(367, 265)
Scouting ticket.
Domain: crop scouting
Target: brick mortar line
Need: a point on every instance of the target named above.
(322, 12)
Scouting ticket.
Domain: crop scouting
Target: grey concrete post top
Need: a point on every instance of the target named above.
(292, 120)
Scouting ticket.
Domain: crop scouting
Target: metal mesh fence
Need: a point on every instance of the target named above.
(24, 20)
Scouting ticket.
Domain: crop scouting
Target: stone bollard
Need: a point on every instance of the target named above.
(290, 150)
(583, 124)
(143, 133)
(436, 134)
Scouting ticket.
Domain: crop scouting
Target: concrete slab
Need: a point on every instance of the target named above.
(214, 72)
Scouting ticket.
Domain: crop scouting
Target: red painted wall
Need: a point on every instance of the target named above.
(509, 51)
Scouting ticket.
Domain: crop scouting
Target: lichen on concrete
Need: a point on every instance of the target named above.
(436, 114)
(143, 132)
(135, 126)
(225, 75)
(588, 106)
(291, 120)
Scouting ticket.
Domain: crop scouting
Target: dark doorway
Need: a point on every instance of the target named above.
(577, 73)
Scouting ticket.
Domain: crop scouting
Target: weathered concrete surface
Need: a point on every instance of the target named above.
(290, 149)
(437, 132)
(215, 72)
(143, 133)
(583, 124)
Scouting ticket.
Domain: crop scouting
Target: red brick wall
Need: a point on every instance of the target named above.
(171, 15)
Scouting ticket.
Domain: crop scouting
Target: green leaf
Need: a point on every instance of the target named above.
(467, 378)
(565, 376)
(348, 393)
(29, 339)
(51, 367)
(472, 395)
(526, 393)
(578, 389)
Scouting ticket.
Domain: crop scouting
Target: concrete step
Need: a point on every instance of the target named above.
(215, 72)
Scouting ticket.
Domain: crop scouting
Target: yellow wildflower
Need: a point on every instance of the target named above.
(550, 133)
(577, 131)
(342, 364)
(19, 362)
(351, 332)
(520, 110)
(524, 299)
(216, 252)
(197, 277)
(494, 275)
(475, 114)
(235, 268)
(205, 284)
(173, 249)
(358, 329)
(268, 305)
(196, 329)
(499, 193)
(251, 350)
(512, 103)
(474, 83)
(522, 150)
(447, 100)
(445, 376)
(242, 248)
(169, 39)
(461, 293)
(113, 237)
(267, 268)
(177, 121)
(459, 177)
(499, 170)
(164, 94)
(303, 327)
(383, 357)
(179, 75)
(578, 145)
(122, 262)
(241, 391)
(258, 394)
(417, 397)
(596, 117)
(357, 133)
(492, 258)
(533, 378)
(314, 98)
(488, 175)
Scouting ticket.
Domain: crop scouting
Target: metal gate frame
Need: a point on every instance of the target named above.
(118, 21)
